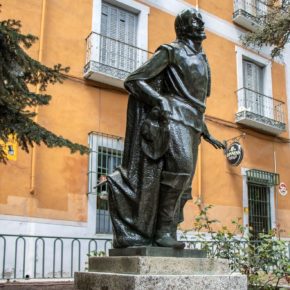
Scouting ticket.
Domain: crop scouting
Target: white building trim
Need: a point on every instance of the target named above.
(12, 225)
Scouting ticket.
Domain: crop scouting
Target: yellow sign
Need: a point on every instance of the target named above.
(10, 148)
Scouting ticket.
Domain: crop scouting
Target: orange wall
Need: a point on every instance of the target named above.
(77, 108)
(222, 9)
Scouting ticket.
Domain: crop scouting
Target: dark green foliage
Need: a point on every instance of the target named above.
(18, 74)
(275, 28)
(264, 260)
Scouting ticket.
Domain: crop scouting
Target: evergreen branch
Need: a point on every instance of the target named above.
(275, 29)
(28, 133)
(17, 71)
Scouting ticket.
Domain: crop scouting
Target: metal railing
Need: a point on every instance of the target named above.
(252, 9)
(261, 105)
(232, 249)
(113, 57)
(43, 257)
(27, 256)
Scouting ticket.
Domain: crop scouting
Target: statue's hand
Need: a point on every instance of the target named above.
(214, 142)
(164, 107)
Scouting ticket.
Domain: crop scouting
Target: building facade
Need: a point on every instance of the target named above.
(51, 192)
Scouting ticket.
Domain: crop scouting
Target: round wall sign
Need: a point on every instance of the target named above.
(235, 153)
(283, 189)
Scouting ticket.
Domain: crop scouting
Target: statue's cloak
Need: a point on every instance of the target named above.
(134, 186)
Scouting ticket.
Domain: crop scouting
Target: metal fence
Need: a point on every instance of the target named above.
(233, 249)
(113, 57)
(261, 105)
(46, 256)
(42, 257)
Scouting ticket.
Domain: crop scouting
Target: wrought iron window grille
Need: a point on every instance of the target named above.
(106, 154)
(262, 177)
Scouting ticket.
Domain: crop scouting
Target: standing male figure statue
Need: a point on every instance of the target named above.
(165, 120)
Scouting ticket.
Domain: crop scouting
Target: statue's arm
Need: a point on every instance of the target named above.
(210, 139)
(147, 94)
(139, 83)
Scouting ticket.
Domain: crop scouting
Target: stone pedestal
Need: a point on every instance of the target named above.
(158, 273)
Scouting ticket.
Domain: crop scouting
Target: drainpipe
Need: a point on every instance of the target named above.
(40, 54)
(275, 189)
(196, 5)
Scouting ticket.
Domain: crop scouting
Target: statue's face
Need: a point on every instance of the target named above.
(195, 28)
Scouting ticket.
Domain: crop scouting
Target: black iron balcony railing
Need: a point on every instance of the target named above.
(112, 57)
(249, 13)
(260, 108)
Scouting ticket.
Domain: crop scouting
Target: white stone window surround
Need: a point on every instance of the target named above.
(246, 201)
(140, 9)
(242, 54)
(95, 141)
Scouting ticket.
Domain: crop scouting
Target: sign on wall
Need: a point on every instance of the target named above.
(10, 148)
(235, 153)
(283, 189)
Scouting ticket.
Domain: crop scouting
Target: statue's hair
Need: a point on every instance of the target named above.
(181, 21)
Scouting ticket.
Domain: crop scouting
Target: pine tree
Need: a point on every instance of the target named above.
(275, 28)
(17, 102)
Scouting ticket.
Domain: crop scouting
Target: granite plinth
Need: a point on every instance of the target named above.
(158, 252)
(158, 265)
(109, 281)
(158, 273)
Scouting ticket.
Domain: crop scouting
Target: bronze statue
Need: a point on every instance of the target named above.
(165, 120)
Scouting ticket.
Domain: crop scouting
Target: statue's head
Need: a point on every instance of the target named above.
(189, 24)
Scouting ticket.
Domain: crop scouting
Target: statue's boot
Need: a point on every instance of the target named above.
(171, 189)
(179, 217)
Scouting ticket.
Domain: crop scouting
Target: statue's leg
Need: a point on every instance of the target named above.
(179, 167)
(179, 217)
(172, 184)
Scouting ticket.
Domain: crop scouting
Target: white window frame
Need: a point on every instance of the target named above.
(246, 201)
(140, 9)
(97, 140)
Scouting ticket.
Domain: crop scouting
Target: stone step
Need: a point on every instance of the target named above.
(158, 265)
(109, 281)
(158, 252)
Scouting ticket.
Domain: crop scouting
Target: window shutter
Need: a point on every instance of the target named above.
(261, 8)
(251, 76)
(250, 7)
(252, 84)
(120, 26)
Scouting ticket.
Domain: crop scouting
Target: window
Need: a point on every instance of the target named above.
(256, 106)
(259, 208)
(254, 7)
(259, 199)
(253, 85)
(247, 13)
(118, 38)
(106, 155)
(118, 42)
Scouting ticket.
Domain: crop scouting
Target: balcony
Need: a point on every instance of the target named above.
(261, 112)
(110, 61)
(249, 13)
